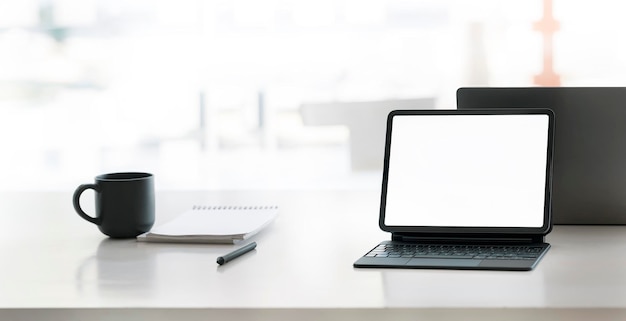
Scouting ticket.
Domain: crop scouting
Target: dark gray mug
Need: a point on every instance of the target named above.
(124, 203)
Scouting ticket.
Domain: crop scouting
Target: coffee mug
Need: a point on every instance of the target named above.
(124, 203)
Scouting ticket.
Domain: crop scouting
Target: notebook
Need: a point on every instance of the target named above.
(460, 181)
(589, 153)
(213, 224)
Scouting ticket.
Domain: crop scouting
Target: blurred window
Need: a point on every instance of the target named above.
(208, 93)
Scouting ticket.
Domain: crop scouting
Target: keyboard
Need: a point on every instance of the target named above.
(439, 251)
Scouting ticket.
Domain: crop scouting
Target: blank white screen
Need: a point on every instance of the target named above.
(467, 170)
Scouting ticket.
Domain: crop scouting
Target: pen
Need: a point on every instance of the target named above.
(236, 253)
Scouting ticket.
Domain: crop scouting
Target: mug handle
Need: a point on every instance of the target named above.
(76, 201)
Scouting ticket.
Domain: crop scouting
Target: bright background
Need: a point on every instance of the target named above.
(210, 94)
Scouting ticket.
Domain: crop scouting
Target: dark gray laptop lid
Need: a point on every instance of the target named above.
(589, 175)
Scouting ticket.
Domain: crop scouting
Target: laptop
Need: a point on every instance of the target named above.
(465, 189)
(589, 184)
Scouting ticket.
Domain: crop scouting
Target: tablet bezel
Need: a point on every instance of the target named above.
(469, 230)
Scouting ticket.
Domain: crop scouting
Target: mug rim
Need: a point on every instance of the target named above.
(123, 176)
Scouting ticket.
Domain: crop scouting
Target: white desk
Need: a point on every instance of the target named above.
(56, 266)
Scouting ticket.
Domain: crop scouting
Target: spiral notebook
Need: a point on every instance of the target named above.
(213, 224)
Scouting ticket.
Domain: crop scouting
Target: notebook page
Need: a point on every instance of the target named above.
(217, 222)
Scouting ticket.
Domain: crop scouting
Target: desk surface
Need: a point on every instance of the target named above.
(53, 259)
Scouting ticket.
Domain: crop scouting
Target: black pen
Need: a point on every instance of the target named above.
(236, 253)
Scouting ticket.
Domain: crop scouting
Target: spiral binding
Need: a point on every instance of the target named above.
(211, 208)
